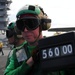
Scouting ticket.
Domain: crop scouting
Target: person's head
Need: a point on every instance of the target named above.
(13, 34)
(32, 20)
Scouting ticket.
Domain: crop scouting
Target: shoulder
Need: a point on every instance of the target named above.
(10, 53)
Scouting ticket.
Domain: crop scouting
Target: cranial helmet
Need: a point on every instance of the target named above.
(11, 25)
(38, 11)
(13, 31)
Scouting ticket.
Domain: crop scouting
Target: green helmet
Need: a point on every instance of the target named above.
(31, 9)
(11, 25)
(13, 31)
(35, 10)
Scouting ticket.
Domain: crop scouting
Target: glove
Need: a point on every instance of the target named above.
(35, 54)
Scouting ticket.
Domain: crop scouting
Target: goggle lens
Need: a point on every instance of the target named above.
(29, 23)
(9, 33)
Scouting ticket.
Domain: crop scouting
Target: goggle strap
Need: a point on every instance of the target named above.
(46, 20)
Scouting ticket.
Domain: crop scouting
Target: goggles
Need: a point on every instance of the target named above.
(9, 33)
(30, 23)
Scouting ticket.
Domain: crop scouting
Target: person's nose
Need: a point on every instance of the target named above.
(25, 29)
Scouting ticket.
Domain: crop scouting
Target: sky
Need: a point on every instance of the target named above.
(62, 12)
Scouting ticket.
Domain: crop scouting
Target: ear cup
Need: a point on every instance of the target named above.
(46, 25)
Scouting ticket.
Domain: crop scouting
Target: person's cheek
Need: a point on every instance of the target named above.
(36, 32)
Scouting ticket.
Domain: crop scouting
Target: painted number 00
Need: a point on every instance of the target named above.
(67, 49)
